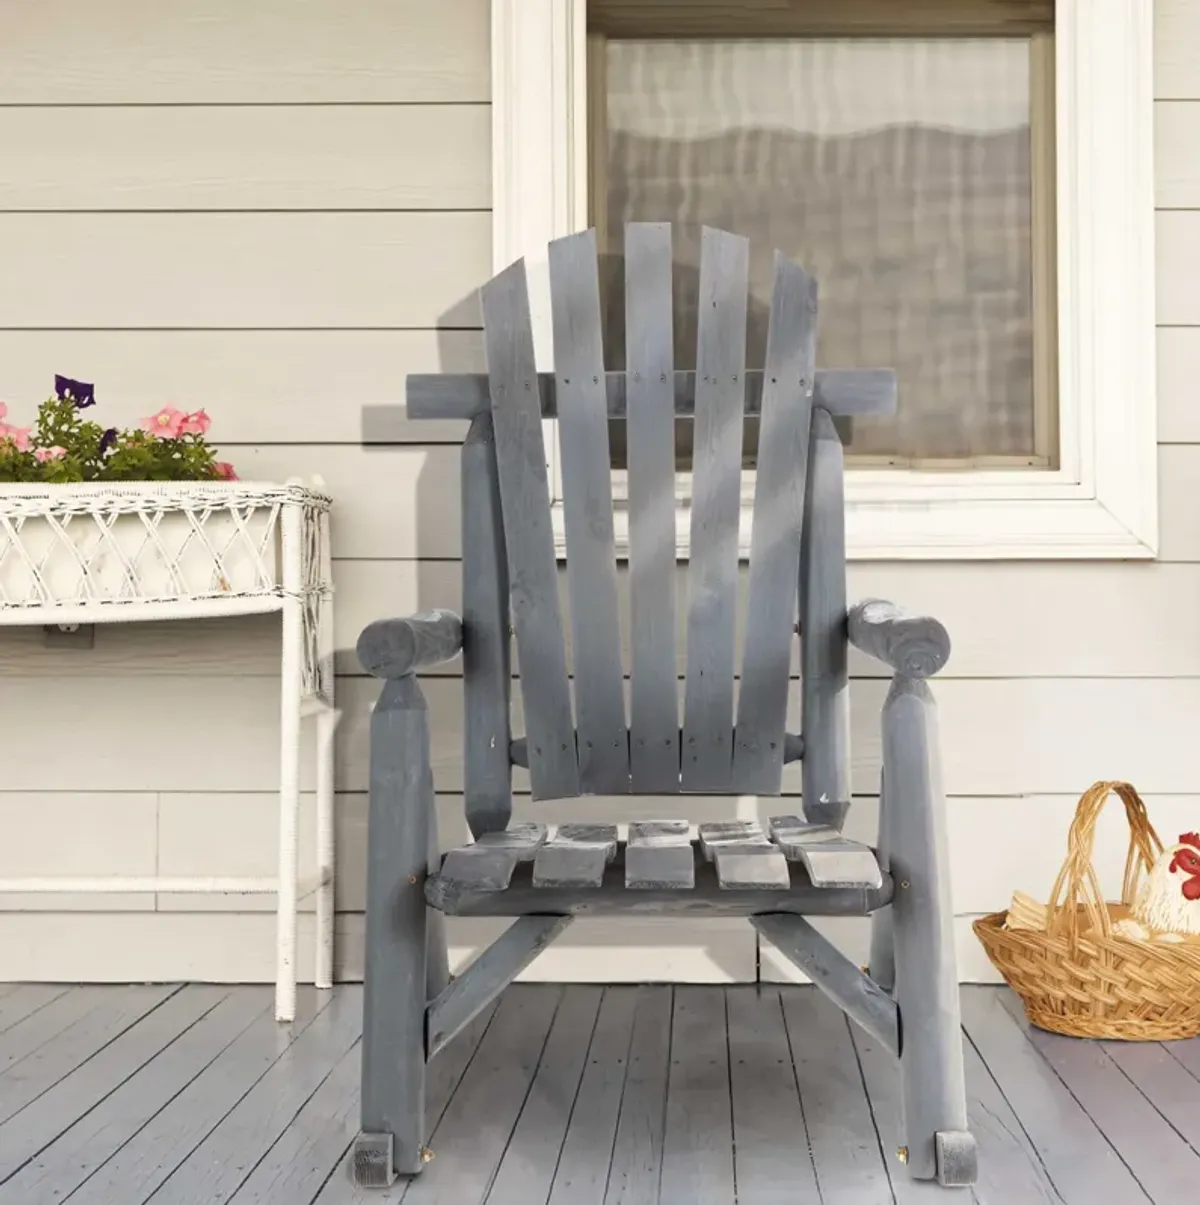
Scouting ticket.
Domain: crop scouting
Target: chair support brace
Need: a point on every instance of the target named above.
(858, 996)
(472, 991)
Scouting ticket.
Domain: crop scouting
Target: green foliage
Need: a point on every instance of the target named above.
(65, 446)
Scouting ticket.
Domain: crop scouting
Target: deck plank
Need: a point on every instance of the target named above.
(143, 1163)
(442, 1080)
(1009, 1167)
(1163, 1163)
(579, 1095)
(44, 1024)
(233, 1148)
(22, 999)
(297, 1165)
(1163, 1081)
(120, 1090)
(841, 1133)
(1076, 1155)
(638, 1149)
(698, 1141)
(526, 1171)
(1186, 1054)
(583, 1168)
(469, 1141)
(112, 1011)
(772, 1162)
(881, 1076)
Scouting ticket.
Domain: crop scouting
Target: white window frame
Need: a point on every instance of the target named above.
(1102, 502)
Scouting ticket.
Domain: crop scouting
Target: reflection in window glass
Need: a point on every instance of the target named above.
(898, 171)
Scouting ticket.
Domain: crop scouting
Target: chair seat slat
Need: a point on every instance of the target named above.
(706, 757)
(741, 866)
(721, 834)
(841, 863)
(479, 868)
(603, 836)
(659, 854)
(650, 372)
(791, 833)
(775, 539)
(521, 840)
(529, 540)
(603, 747)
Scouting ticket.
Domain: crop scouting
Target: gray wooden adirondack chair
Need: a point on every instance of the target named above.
(730, 741)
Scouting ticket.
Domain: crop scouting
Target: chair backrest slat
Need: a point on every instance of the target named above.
(706, 757)
(576, 738)
(782, 465)
(602, 736)
(650, 440)
(525, 501)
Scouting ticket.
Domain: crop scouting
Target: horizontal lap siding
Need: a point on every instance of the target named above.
(316, 192)
(275, 211)
(211, 52)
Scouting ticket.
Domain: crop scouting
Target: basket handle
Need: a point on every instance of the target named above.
(1077, 887)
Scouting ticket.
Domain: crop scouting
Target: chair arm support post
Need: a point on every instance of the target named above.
(916, 646)
(394, 648)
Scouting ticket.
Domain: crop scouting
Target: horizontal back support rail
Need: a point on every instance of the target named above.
(793, 750)
(843, 392)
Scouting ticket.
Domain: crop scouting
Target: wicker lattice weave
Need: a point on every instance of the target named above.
(1075, 977)
(140, 546)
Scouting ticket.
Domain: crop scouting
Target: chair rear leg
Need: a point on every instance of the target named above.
(882, 966)
(939, 1146)
(394, 997)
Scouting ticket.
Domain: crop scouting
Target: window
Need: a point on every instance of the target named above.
(969, 180)
(911, 175)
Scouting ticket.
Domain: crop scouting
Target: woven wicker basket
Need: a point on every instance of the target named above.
(1074, 976)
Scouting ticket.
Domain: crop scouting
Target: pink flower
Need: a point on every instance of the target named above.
(18, 436)
(166, 424)
(42, 455)
(195, 424)
(225, 471)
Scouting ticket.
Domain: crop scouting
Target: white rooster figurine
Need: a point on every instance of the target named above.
(1169, 900)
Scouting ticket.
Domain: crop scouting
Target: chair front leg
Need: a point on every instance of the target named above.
(395, 979)
(931, 1060)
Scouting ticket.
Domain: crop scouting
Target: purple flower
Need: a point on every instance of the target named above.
(80, 392)
(108, 439)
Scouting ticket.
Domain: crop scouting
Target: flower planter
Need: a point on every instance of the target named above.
(154, 550)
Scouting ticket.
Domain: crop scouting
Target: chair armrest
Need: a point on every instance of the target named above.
(914, 645)
(394, 648)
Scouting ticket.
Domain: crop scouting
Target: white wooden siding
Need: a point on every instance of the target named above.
(234, 157)
(221, 270)
(209, 52)
(277, 211)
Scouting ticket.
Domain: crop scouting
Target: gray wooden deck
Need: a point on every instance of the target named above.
(571, 1095)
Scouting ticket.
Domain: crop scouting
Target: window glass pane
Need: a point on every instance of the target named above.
(898, 171)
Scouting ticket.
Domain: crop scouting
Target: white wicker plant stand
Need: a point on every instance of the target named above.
(94, 554)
